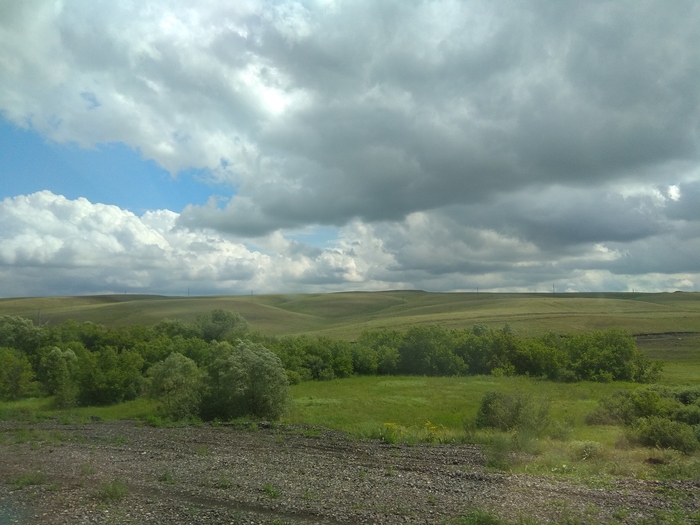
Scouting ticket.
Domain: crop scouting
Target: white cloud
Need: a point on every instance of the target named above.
(53, 245)
(452, 145)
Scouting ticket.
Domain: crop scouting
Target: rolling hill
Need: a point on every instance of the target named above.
(346, 314)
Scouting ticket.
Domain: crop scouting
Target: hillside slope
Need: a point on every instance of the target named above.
(345, 315)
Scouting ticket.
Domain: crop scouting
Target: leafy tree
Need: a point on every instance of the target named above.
(627, 407)
(386, 345)
(429, 350)
(475, 349)
(247, 379)
(364, 360)
(534, 357)
(387, 360)
(177, 383)
(341, 356)
(59, 370)
(611, 355)
(21, 334)
(376, 338)
(16, 374)
(89, 334)
(292, 354)
(175, 327)
(109, 376)
(220, 324)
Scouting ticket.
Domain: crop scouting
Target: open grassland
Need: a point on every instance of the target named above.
(438, 410)
(364, 405)
(345, 315)
(433, 409)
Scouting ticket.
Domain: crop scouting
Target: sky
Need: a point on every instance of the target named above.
(259, 146)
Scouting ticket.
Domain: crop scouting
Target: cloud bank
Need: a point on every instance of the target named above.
(55, 246)
(449, 145)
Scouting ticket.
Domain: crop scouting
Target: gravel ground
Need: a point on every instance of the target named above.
(52, 473)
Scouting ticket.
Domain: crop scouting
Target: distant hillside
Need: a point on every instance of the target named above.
(346, 314)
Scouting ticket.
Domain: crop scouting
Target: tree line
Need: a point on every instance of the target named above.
(610, 355)
(216, 367)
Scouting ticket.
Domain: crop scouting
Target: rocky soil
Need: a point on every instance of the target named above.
(53, 473)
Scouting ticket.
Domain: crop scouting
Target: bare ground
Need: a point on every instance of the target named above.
(52, 473)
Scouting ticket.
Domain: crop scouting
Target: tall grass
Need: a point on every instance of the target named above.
(33, 409)
(442, 410)
(362, 406)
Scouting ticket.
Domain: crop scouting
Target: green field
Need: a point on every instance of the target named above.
(433, 409)
(345, 315)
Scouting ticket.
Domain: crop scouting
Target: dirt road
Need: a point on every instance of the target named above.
(52, 473)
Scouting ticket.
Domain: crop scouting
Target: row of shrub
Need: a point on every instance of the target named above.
(654, 416)
(89, 364)
(610, 355)
(185, 366)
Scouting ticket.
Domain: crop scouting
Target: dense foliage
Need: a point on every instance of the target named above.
(654, 416)
(611, 355)
(216, 368)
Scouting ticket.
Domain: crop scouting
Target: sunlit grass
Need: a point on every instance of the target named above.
(435, 409)
(360, 405)
(42, 407)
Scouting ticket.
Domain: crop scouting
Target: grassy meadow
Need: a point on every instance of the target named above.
(345, 315)
(432, 409)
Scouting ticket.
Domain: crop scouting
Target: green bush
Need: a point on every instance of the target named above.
(625, 407)
(507, 412)
(109, 376)
(59, 370)
(689, 414)
(177, 383)
(111, 492)
(585, 450)
(16, 374)
(498, 451)
(245, 380)
(661, 432)
(219, 325)
(688, 396)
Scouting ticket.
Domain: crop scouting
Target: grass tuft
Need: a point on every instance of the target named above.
(28, 479)
(111, 492)
(270, 491)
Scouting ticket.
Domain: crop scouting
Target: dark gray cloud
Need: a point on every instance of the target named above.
(450, 144)
(416, 108)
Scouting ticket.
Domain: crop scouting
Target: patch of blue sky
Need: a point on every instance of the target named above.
(319, 236)
(110, 174)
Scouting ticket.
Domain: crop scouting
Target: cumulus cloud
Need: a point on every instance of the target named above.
(49, 244)
(452, 144)
(53, 245)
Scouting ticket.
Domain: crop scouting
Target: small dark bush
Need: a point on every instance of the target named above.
(689, 414)
(625, 408)
(564, 375)
(661, 432)
(507, 412)
(688, 396)
(111, 492)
